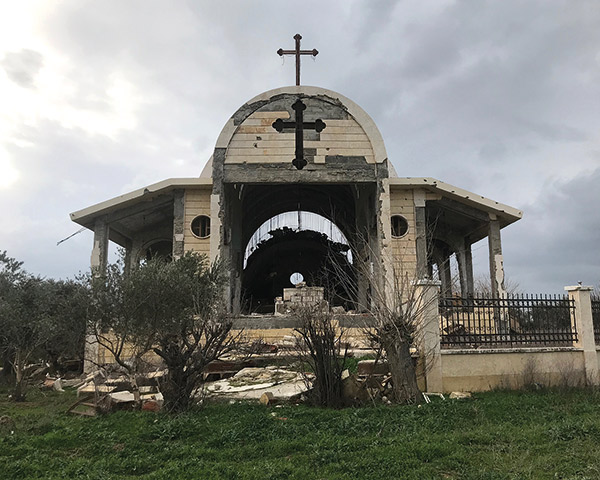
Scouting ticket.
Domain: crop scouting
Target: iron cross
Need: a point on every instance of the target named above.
(299, 125)
(281, 52)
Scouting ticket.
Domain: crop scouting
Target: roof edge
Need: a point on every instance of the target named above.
(506, 211)
(151, 190)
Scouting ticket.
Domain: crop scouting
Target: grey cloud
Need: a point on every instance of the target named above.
(557, 242)
(23, 66)
(484, 95)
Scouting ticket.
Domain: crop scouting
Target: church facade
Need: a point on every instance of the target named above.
(391, 225)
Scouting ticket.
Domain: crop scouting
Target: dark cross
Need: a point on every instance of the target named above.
(299, 125)
(281, 52)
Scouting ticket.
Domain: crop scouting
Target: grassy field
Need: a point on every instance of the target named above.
(499, 435)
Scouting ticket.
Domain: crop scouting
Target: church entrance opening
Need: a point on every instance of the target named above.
(312, 229)
(295, 247)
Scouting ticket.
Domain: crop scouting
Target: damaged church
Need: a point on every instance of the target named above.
(273, 222)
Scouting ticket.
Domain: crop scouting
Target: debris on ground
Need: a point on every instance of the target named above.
(460, 395)
(251, 383)
(267, 398)
(427, 396)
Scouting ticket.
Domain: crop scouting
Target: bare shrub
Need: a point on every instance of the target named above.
(395, 306)
(319, 345)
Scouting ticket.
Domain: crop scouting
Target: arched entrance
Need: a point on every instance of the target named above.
(296, 243)
(351, 208)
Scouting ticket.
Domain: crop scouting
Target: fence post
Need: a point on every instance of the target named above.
(427, 293)
(581, 296)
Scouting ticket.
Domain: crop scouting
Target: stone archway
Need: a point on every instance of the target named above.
(351, 208)
(314, 254)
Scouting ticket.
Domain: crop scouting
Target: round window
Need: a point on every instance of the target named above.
(201, 226)
(399, 226)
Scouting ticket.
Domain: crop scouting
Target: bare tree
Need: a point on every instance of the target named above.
(320, 345)
(395, 305)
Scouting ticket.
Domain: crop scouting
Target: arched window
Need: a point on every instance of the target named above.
(201, 226)
(399, 226)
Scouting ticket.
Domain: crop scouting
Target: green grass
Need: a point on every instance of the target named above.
(498, 435)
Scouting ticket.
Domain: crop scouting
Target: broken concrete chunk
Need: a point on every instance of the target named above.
(267, 398)
(57, 385)
(460, 395)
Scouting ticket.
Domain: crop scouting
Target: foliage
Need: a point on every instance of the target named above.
(65, 323)
(173, 309)
(40, 319)
(497, 435)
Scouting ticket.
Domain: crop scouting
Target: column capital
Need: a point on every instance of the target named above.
(579, 288)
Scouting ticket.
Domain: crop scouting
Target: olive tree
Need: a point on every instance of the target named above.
(40, 319)
(172, 309)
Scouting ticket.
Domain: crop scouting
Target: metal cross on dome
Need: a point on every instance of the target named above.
(299, 125)
(297, 52)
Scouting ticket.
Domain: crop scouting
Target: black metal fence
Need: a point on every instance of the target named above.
(512, 321)
(596, 317)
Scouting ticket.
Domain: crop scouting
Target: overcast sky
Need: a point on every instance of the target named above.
(498, 97)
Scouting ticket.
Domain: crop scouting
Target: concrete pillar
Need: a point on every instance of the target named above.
(136, 251)
(464, 258)
(236, 247)
(420, 233)
(384, 232)
(215, 228)
(178, 223)
(365, 275)
(128, 257)
(429, 333)
(99, 257)
(445, 274)
(362, 279)
(581, 296)
(496, 259)
(98, 264)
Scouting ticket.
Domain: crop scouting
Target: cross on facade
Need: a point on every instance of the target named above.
(299, 125)
(297, 52)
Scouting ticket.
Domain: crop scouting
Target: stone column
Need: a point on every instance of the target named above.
(496, 259)
(429, 333)
(236, 247)
(99, 257)
(98, 264)
(178, 223)
(465, 269)
(128, 257)
(420, 233)
(581, 296)
(445, 274)
(362, 245)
